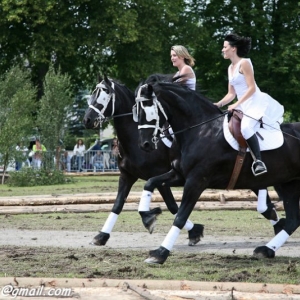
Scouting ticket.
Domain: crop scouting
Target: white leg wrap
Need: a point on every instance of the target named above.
(188, 225)
(275, 222)
(171, 237)
(278, 240)
(145, 201)
(110, 223)
(262, 201)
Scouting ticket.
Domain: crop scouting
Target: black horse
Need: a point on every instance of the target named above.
(112, 99)
(207, 159)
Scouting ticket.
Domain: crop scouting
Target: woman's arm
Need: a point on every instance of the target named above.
(228, 97)
(246, 69)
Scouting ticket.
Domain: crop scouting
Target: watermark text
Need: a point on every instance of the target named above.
(9, 290)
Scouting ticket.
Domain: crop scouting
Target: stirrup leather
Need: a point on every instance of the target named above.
(263, 166)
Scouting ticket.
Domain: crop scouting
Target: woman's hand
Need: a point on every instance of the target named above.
(232, 107)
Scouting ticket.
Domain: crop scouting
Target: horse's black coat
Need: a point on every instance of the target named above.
(207, 160)
(133, 162)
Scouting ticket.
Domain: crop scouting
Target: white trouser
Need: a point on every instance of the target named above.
(247, 127)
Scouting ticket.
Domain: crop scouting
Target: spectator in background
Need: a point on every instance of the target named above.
(97, 161)
(79, 150)
(21, 158)
(38, 150)
(97, 146)
(66, 162)
(114, 154)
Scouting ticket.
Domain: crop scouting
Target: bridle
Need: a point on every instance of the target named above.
(103, 98)
(151, 113)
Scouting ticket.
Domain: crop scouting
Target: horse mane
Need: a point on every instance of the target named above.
(123, 87)
(186, 99)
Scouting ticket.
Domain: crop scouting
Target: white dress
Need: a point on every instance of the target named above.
(259, 105)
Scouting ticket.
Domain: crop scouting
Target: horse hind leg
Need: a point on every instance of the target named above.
(290, 193)
(268, 210)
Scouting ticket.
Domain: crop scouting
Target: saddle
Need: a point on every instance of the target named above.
(234, 126)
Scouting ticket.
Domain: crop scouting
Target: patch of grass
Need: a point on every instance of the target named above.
(225, 222)
(80, 184)
(90, 263)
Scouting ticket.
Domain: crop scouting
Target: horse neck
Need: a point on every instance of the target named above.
(200, 120)
(125, 127)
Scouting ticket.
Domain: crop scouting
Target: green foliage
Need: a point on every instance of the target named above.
(17, 101)
(55, 104)
(128, 40)
(27, 177)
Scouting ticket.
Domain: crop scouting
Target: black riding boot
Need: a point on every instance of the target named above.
(258, 167)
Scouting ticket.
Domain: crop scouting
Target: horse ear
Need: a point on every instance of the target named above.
(99, 79)
(107, 80)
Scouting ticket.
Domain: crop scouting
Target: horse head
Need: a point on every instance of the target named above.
(99, 108)
(164, 101)
(151, 116)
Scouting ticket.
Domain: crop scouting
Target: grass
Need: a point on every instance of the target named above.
(225, 222)
(100, 263)
(81, 184)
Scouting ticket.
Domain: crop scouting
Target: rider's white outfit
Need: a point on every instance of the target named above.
(259, 105)
(190, 82)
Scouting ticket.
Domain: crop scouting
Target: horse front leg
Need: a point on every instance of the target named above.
(290, 194)
(163, 184)
(126, 182)
(190, 197)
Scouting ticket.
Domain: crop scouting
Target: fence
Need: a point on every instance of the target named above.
(92, 161)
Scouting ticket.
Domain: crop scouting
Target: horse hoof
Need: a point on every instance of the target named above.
(100, 239)
(149, 218)
(195, 234)
(157, 256)
(279, 226)
(152, 261)
(264, 252)
(193, 242)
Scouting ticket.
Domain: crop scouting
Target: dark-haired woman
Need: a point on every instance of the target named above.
(254, 104)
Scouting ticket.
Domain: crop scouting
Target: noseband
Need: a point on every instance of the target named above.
(151, 113)
(103, 98)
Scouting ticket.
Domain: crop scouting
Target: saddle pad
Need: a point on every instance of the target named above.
(272, 138)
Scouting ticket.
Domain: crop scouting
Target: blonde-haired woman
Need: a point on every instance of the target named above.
(181, 59)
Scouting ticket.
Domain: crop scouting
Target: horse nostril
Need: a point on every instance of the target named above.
(146, 146)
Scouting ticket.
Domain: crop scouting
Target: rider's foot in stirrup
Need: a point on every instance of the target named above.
(258, 168)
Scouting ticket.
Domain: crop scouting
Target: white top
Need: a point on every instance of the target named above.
(190, 82)
(79, 151)
(259, 105)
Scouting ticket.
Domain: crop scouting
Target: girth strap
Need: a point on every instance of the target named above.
(237, 168)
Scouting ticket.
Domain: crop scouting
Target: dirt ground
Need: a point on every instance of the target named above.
(147, 289)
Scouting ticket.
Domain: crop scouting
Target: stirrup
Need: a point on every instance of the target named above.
(259, 169)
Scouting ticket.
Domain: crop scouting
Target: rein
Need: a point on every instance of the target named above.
(155, 108)
(285, 133)
(194, 126)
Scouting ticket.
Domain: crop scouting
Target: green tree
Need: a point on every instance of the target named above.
(274, 27)
(54, 111)
(17, 101)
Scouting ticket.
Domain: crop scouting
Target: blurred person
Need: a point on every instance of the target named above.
(78, 151)
(38, 150)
